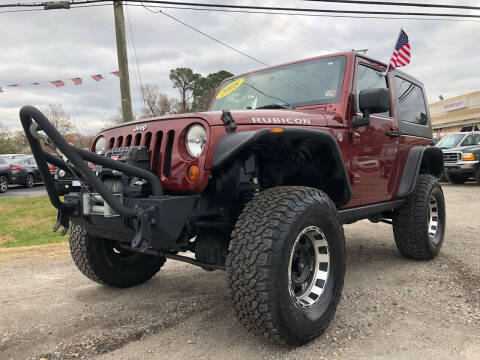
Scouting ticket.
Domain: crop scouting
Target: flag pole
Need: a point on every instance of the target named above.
(388, 66)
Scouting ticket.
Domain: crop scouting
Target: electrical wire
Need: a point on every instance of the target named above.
(270, 8)
(212, 38)
(392, 3)
(135, 57)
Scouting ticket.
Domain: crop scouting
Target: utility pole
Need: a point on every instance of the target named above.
(127, 113)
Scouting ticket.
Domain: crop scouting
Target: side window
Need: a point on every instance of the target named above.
(369, 78)
(411, 102)
(470, 140)
(476, 139)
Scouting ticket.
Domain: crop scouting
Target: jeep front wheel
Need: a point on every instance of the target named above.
(419, 224)
(286, 264)
(105, 262)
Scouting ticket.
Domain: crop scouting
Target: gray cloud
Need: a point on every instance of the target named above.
(50, 45)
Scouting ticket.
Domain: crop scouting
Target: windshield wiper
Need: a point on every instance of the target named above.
(287, 105)
(273, 106)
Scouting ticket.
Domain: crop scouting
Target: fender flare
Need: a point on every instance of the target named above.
(420, 160)
(232, 144)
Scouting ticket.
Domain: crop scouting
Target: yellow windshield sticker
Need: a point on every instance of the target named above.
(229, 88)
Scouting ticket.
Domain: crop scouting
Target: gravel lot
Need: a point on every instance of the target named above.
(392, 308)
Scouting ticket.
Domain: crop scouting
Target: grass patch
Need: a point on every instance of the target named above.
(27, 221)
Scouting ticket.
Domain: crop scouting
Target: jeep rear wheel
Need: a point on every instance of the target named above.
(419, 224)
(286, 264)
(105, 262)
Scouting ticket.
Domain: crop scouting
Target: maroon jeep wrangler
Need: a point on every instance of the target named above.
(259, 186)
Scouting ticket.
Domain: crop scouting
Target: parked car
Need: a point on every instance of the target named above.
(5, 175)
(461, 157)
(24, 171)
(260, 186)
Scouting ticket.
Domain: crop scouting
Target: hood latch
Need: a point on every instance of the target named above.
(228, 120)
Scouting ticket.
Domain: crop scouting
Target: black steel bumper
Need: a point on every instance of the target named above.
(156, 221)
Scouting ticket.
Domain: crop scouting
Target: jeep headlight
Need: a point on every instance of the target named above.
(195, 140)
(100, 145)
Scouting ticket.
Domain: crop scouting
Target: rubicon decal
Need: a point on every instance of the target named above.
(140, 128)
(275, 120)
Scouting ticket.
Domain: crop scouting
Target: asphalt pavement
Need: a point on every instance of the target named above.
(19, 191)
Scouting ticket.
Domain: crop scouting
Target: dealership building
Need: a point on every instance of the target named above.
(460, 113)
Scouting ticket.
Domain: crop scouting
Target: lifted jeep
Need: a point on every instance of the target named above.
(259, 186)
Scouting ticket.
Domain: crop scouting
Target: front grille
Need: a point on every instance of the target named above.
(452, 157)
(160, 158)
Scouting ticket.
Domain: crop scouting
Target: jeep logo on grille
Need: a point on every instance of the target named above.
(140, 128)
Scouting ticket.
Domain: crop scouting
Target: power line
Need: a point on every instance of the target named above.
(392, 3)
(275, 8)
(299, 14)
(211, 37)
(306, 10)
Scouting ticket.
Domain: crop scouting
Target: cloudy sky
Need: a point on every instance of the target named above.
(41, 46)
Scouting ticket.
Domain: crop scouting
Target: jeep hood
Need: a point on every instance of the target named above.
(280, 117)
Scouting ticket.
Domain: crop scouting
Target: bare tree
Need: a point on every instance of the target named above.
(59, 118)
(156, 102)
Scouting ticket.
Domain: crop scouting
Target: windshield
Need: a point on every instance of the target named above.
(306, 83)
(450, 141)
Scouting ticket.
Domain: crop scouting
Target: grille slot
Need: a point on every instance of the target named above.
(128, 140)
(147, 139)
(452, 157)
(168, 153)
(156, 151)
(119, 141)
(138, 138)
(111, 142)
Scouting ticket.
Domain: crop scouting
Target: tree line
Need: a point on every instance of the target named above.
(195, 94)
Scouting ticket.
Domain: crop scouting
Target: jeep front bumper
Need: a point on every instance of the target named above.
(152, 222)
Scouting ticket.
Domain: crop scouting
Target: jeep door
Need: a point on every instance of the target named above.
(374, 146)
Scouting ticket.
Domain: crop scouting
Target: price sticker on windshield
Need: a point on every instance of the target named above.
(230, 88)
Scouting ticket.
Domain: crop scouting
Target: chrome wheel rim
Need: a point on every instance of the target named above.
(309, 267)
(29, 181)
(433, 218)
(3, 184)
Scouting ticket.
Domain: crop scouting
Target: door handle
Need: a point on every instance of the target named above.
(393, 133)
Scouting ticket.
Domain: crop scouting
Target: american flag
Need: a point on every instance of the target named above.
(116, 73)
(57, 83)
(401, 54)
(97, 77)
(77, 81)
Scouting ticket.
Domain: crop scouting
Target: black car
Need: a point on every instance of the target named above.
(5, 175)
(24, 171)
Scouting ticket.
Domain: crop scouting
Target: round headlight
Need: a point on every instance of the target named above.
(195, 140)
(100, 145)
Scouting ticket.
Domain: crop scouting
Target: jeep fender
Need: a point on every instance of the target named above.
(337, 185)
(420, 160)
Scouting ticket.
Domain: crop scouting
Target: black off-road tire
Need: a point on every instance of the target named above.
(456, 178)
(101, 261)
(260, 256)
(411, 222)
(3, 184)
(29, 181)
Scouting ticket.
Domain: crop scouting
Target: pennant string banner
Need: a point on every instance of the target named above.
(59, 83)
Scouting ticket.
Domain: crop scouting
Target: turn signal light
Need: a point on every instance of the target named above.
(193, 173)
(468, 157)
(276, 131)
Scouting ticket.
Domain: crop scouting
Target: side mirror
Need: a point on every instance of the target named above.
(372, 101)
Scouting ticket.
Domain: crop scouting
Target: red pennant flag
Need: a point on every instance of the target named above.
(116, 73)
(13, 85)
(1, 90)
(77, 81)
(97, 77)
(58, 83)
